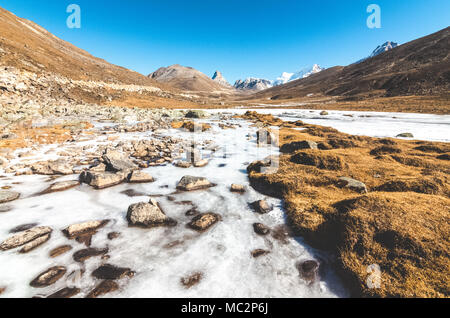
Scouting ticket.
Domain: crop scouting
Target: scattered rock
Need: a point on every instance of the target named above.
(60, 251)
(183, 164)
(237, 188)
(25, 237)
(67, 292)
(49, 277)
(101, 180)
(113, 235)
(385, 150)
(198, 114)
(61, 186)
(261, 229)
(87, 253)
(116, 161)
(190, 183)
(146, 215)
(201, 163)
(352, 184)
(35, 243)
(111, 272)
(2, 290)
(261, 206)
(405, 135)
(203, 222)
(133, 193)
(309, 270)
(8, 196)
(105, 287)
(191, 280)
(298, 145)
(140, 177)
(23, 227)
(324, 113)
(75, 230)
(259, 252)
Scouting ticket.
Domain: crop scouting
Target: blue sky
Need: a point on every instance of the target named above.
(241, 38)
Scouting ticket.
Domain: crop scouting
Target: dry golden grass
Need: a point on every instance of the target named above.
(402, 224)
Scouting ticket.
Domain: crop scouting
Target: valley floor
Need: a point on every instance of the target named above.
(213, 242)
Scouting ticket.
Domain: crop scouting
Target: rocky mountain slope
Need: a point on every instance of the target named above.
(187, 79)
(218, 77)
(420, 67)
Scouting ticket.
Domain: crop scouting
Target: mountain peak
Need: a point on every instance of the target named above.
(387, 46)
(218, 77)
(254, 84)
(303, 73)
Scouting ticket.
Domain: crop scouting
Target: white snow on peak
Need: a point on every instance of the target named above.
(303, 73)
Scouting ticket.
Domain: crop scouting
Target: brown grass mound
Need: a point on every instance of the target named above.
(416, 185)
(319, 160)
(385, 150)
(405, 234)
(402, 227)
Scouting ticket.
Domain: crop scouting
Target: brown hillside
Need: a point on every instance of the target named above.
(420, 67)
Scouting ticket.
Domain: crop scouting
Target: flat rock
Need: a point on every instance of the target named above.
(261, 206)
(111, 272)
(61, 186)
(83, 255)
(140, 177)
(146, 215)
(35, 243)
(259, 252)
(101, 180)
(116, 161)
(8, 196)
(113, 235)
(190, 183)
(49, 277)
(201, 163)
(203, 222)
(309, 270)
(237, 188)
(25, 237)
(105, 287)
(183, 164)
(405, 135)
(352, 184)
(261, 229)
(75, 230)
(191, 280)
(66, 292)
(60, 250)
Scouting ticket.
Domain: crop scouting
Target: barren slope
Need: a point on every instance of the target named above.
(420, 67)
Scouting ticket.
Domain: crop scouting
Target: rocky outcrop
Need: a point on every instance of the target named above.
(112, 272)
(61, 186)
(85, 254)
(75, 230)
(105, 287)
(8, 196)
(261, 229)
(140, 177)
(146, 215)
(190, 183)
(102, 180)
(26, 237)
(116, 161)
(203, 222)
(48, 277)
(261, 206)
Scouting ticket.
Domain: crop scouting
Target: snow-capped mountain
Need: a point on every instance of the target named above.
(304, 73)
(383, 48)
(256, 84)
(218, 77)
(380, 49)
